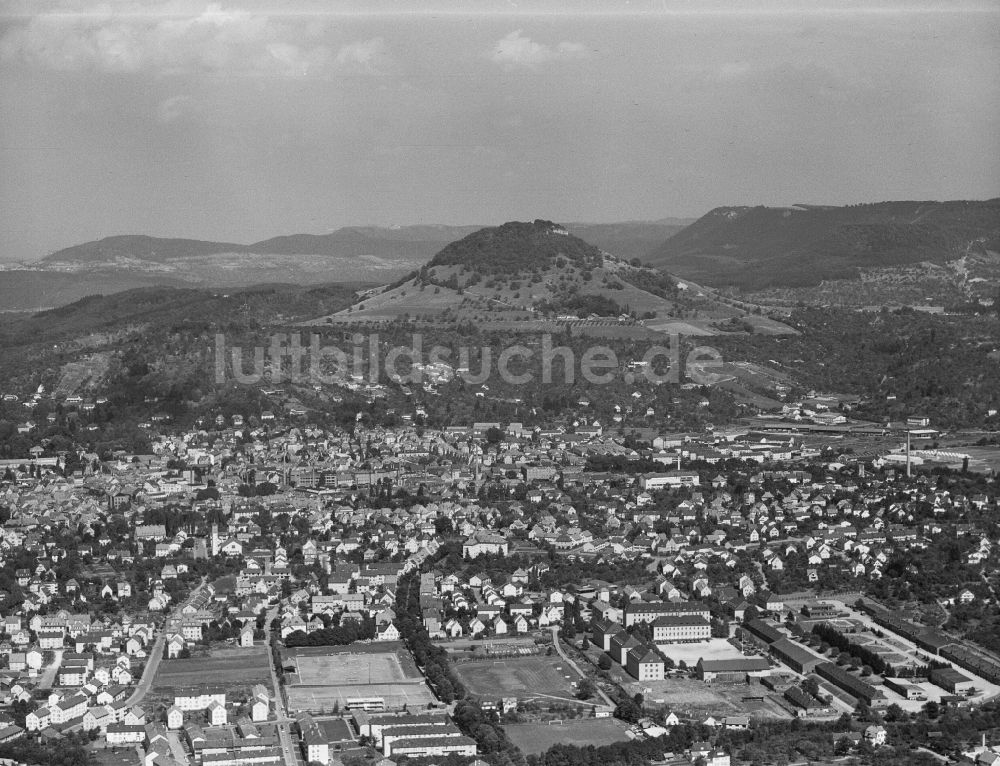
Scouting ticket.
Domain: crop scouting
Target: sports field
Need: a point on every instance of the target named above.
(524, 678)
(327, 679)
(535, 738)
(349, 669)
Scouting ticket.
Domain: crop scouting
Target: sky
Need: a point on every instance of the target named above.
(237, 121)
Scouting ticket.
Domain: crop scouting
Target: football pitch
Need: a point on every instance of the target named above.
(534, 738)
(524, 678)
(349, 669)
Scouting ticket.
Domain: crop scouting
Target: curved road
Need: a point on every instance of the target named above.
(572, 664)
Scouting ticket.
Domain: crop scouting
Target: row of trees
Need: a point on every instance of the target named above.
(337, 635)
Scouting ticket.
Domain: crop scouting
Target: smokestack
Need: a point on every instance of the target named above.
(678, 461)
(908, 472)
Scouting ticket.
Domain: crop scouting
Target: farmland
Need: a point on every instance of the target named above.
(538, 737)
(524, 678)
(234, 666)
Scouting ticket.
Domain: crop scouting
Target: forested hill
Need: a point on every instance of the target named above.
(758, 247)
(140, 247)
(412, 241)
(518, 247)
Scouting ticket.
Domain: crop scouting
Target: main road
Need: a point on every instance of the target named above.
(282, 722)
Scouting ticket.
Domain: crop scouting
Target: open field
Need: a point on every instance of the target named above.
(325, 677)
(535, 738)
(236, 666)
(690, 698)
(524, 678)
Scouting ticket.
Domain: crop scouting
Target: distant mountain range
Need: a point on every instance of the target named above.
(753, 248)
(628, 239)
(355, 254)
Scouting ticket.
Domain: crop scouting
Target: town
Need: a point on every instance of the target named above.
(261, 590)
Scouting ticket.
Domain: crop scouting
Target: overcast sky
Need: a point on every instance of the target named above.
(238, 121)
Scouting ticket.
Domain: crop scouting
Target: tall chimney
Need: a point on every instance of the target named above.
(908, 472)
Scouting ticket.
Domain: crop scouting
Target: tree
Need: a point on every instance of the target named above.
(586, 689)
(604, 663)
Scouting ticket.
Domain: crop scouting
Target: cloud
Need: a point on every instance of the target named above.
(173, 108)
(363, 54)
(516, 50)
(181, 39)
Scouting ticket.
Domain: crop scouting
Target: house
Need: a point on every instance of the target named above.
(387, 631)
(217, 714)
(175, 645)
(246, 635)
(259, 704)
(38, 719)
(125, 734)
(875, 735)
(175, 717)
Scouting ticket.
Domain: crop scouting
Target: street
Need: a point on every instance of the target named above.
(155, 654)
(289, 748)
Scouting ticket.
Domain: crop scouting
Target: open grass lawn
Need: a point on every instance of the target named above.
(117, 756)
(230, 665)
(538, 737)
(524, 677)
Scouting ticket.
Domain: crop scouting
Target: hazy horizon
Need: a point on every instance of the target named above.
(240, 121)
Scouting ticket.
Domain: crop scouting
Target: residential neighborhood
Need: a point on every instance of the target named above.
(282, 592)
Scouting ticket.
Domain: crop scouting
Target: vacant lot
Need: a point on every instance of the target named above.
(538, 737)
(691, 698)
(243, 667)
(713, 649)
(524, 678)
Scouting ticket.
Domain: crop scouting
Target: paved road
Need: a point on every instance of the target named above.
(177, 749)
(289, 748)
(49, 676)
(913, 652)
(156, 654)
(568, 661)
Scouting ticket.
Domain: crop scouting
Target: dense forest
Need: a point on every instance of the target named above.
(516, 248)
